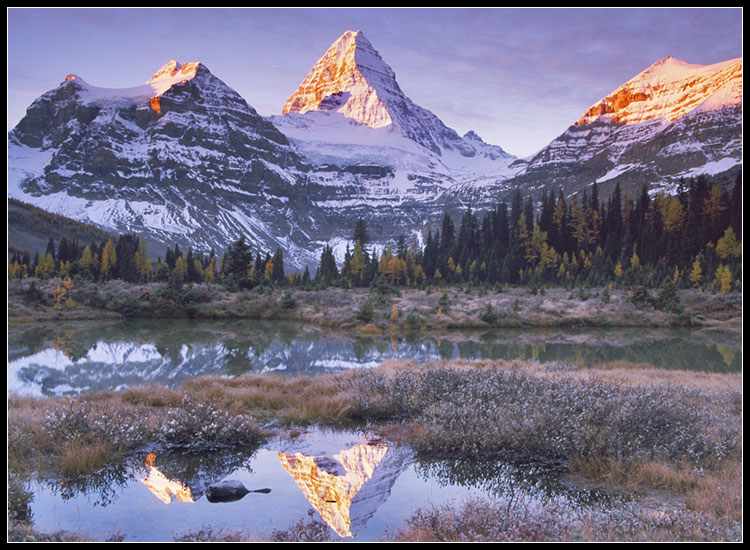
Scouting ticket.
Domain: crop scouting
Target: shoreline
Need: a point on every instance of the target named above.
(360, 309)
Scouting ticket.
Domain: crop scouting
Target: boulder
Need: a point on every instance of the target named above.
(226, 491)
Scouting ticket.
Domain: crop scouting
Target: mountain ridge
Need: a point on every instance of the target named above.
(184, 158)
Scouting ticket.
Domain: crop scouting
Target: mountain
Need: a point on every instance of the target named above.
(674, 120)
(30, 229)
(183, 159)
(374, 153)
(351, 79)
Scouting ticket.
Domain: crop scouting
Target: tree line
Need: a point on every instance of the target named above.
(692, 237)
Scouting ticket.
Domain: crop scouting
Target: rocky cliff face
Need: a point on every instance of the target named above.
(183, 159)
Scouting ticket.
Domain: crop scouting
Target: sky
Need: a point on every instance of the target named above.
(517, 77)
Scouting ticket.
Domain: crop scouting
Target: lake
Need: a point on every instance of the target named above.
(76, 357)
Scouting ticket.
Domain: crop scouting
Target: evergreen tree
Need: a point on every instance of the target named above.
(467, 243)
(361, 235)
(447, 243)
(430, 256)
(328, 273)
(277, 275)
(237, 262)
(735, 210)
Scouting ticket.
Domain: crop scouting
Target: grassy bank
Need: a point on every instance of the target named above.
(378, 309)
(673, 436)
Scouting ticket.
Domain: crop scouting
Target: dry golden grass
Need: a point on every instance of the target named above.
(78, 459)
(718, 493)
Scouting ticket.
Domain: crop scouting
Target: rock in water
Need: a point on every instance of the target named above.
(226, 491)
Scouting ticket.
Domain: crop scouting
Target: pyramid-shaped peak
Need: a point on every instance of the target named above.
(353, 51)
(351, 76)
(351, 39)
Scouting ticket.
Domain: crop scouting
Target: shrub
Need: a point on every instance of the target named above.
(489, 315)
(366, 311)
(125, 304)
(19, 500)
(310, 530)
(444, 303)
(287, 301)
(641, 297)
(87, 438)
(414, 320)
(668, 299)
(495, 413)
(196, 426)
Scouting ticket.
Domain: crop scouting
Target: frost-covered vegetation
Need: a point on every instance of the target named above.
(498, 413)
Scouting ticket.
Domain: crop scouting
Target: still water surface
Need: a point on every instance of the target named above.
(87, 356)
(361, 489)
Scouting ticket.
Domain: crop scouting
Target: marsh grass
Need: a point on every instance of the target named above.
(480, 520)
(625, 428)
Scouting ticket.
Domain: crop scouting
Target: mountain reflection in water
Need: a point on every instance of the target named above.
(84, 356)
(361, 486)
(163, 488)
(330, 484)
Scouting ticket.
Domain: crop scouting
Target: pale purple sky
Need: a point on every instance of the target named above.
(518, 77)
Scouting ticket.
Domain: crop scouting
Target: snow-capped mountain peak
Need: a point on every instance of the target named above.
(166, 77)
(668, 90)
(350, 78)
(174, 70)
(351, 85)
(672, 121)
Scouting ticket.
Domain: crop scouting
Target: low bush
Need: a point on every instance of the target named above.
(366, 311)
(524, 520)
(200, 426)
(489, 315)
(498, 413)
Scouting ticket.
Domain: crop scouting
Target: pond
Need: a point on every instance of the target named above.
(54, 360)
(360, 486)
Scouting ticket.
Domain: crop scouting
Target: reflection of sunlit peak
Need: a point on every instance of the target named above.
(163, 488)
(331, 485)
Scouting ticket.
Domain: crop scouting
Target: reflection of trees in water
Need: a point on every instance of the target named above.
(102, 486)
(504, 480)
(193, 348)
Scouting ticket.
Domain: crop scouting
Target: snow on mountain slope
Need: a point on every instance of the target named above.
(183, 159)
(669, 90)
(667, 122)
